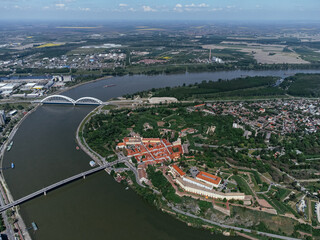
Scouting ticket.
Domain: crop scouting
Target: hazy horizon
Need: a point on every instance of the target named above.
(204, 10)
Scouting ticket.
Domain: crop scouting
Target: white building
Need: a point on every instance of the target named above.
(197, 183)
(13, 112)
(318, 211)
(158, 100)
(28, 86)
(2, 118)
(192, 188)
(67, 78)
(8, 87)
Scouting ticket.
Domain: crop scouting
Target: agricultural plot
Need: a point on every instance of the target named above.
(262, 53)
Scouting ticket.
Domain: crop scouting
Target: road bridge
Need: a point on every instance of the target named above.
(61, 99)
(56, 185)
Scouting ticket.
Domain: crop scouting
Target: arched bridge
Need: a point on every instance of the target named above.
(61, 99)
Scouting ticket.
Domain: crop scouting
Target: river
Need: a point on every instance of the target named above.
(44, 152)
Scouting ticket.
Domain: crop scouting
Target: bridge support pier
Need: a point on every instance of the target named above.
(84, 176)
(45, 193)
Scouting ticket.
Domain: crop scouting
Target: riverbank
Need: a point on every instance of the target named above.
(80, 84)
(82, 142)
(192, 219)
(4, 190)
(57, 158)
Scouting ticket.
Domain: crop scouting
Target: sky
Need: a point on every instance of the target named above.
(234, 10)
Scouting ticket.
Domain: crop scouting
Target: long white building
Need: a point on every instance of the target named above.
(202, 185)
(197, 189)
(318, 211)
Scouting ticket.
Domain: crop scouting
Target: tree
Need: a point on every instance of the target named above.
(134, 160)
(235, 171)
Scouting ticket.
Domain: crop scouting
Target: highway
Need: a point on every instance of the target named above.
(9, 229)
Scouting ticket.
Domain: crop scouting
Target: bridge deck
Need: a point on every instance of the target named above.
(55, 185)
(61, 99)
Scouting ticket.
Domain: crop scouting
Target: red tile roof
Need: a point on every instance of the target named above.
(200, 105)
(179, 171)
(209, 178)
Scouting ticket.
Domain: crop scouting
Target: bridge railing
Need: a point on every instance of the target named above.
(55, 185)
(67, 100)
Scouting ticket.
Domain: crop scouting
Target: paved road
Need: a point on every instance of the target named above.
(235, 148)
(271, 184)
(125, 159)
(9, 229)
(232, 227)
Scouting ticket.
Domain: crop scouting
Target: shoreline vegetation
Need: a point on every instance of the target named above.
(298, 85)
(95, 74)
(241, 89)
(152, 196)
(219, 119)
(268, 82)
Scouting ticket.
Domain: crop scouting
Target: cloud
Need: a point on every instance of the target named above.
(85, 9)
(123, 5)
(201, 5)
(216, 9)
(60, 5)
(148, 9)
(190, 5)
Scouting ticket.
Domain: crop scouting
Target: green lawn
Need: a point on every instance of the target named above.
(109, 107)
(280, 206)
(243, 186)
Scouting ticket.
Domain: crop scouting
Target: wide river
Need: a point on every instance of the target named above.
(44, 152)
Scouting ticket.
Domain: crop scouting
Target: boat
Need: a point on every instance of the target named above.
(10, 146)
(12, 165)
(109, 85)
(77, 148)
(34, 226)
(92, 163)
(127, 188)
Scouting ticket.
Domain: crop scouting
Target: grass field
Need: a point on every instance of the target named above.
(262, 53)
(109, 107)
(78, 27)
(50, 45)
(272, 222)
(243, 186)
(308, 54)
(274, 199)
